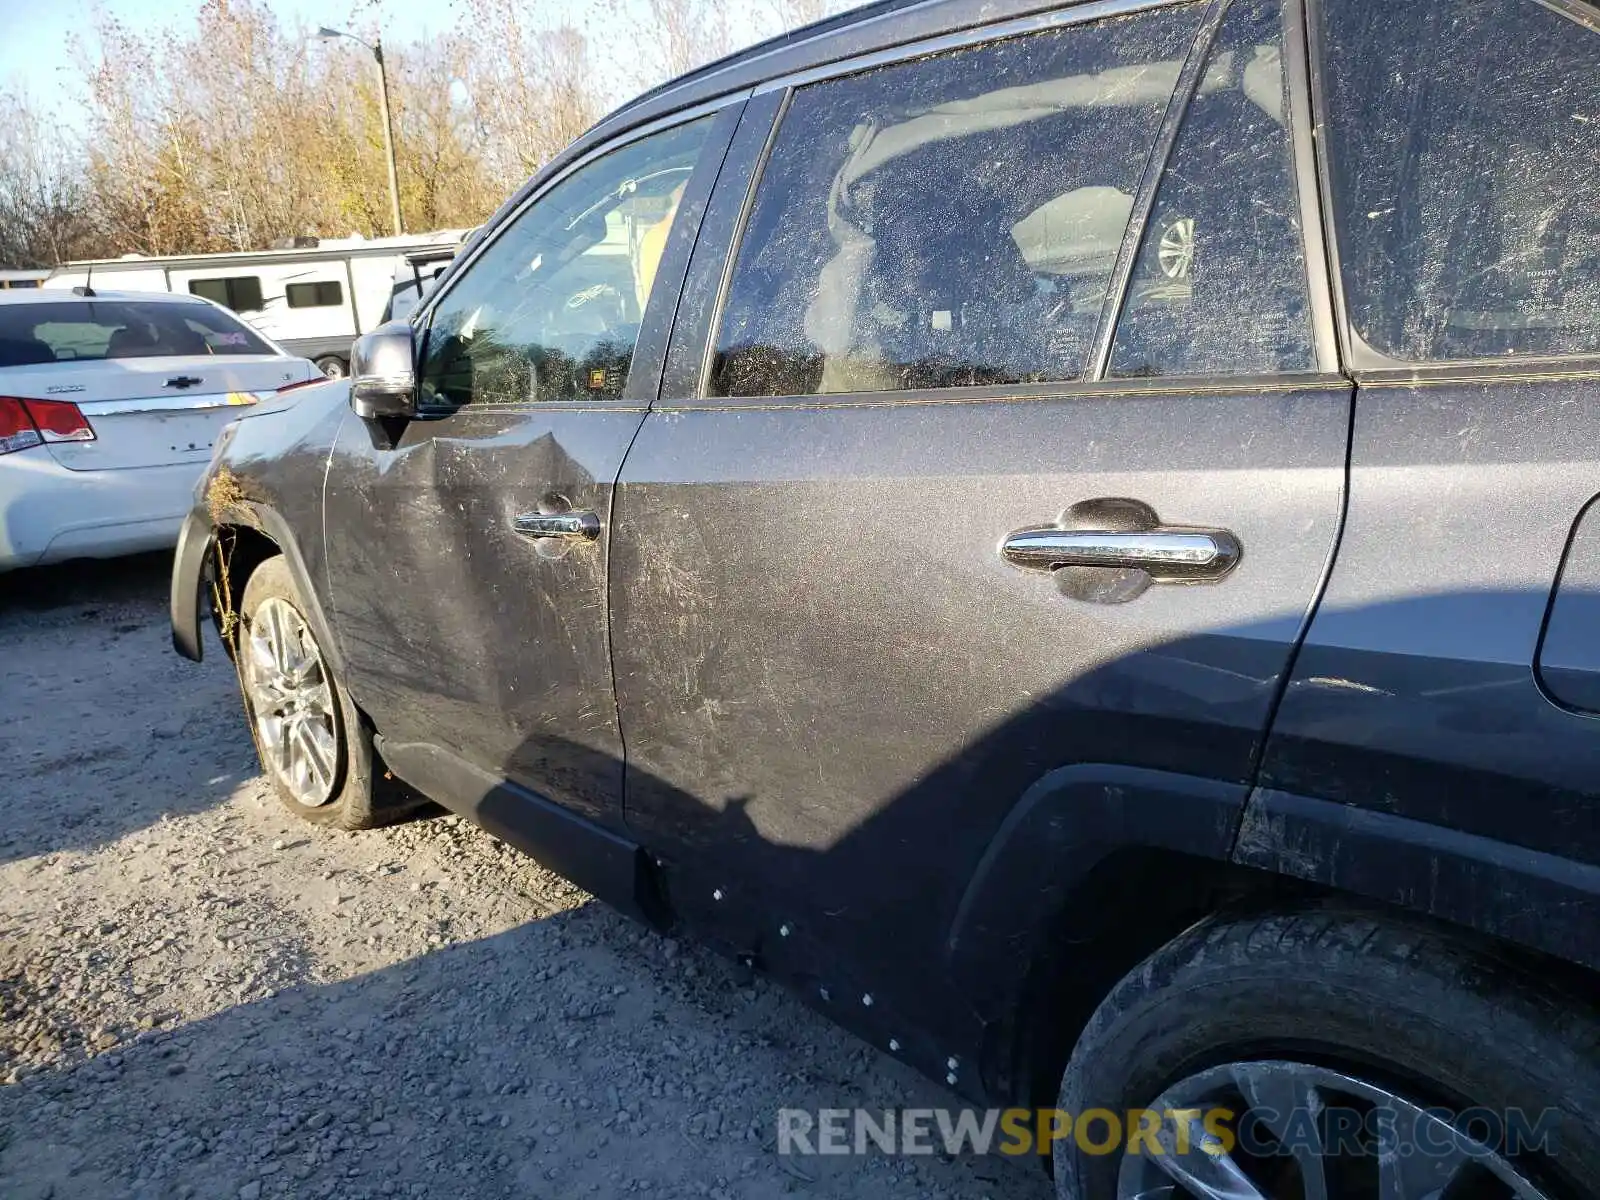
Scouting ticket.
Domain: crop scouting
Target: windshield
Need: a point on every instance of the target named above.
(40, 334)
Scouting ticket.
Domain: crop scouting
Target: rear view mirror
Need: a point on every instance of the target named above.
(383, 377)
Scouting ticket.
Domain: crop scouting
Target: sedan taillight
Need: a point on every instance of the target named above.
(25, 423)
(60, 420)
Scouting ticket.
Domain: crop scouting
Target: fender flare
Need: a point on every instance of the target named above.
(195, 540)
(1067, 824)
(188, 578)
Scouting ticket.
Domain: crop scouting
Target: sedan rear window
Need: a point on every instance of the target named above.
(38, 334)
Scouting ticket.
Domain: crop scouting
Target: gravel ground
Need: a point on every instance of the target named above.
(200, 996)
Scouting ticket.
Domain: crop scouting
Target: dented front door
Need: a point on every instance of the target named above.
(467, 556)
(461, 632)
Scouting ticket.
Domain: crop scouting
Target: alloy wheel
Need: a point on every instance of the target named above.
(293, 703)
(1303, 1132)
(1175, 251)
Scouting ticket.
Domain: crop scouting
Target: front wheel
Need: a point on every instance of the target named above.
(332, 366)
(1325, 1055)
(313, 745)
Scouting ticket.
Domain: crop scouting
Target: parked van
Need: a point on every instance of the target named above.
(313, 300)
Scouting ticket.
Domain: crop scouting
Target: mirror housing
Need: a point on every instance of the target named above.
(383, 374)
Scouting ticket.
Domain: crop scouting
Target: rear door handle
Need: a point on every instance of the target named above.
(578, 526)
(1166, 554)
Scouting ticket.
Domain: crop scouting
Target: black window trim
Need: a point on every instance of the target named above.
(1094, 380)
(731, 247)
(1074, 12)
(1098, 359)
(1364, 363)
(1314, 248)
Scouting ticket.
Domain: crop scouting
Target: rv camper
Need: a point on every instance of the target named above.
(313, 300)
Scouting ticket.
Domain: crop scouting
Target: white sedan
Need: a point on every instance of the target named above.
(110, 403)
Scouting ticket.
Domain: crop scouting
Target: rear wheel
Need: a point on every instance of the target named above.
(333, 366)
(313, 745)
(1328, 1056)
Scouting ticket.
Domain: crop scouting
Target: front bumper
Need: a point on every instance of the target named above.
(188, 582)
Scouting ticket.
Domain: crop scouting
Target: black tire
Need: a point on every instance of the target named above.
(1432, 1018)
(332, 366)
(355, 802)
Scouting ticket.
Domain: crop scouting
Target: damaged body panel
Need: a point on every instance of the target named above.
(458, 630)
(945, 514)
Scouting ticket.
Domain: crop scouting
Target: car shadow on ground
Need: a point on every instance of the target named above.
(90, 582)
(576, 1055)
(107, 730)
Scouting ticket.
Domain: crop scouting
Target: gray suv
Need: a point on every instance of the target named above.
(1060, 531)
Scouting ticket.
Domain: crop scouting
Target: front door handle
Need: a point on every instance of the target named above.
(1165, 554)
(578, 526)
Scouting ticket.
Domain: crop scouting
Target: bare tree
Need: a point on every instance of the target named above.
(235, 131)
(792, 14)
(686, 34)
(41, 190)
(530, 88)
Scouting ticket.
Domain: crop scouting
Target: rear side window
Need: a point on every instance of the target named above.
(242, 293)
(948, 222)
(322, 294)
(39, 334)
(1220, 284)
(1465, 154)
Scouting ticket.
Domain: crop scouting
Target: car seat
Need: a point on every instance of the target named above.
(25, 352)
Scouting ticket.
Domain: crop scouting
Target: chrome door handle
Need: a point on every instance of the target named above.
(580, 526)
(1167, 554)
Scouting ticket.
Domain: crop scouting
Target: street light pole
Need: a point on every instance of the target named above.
(388, 140)
(376, 49)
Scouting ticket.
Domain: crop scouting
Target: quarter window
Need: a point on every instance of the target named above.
(242, 293)
(949, 222)
(1464, 144)
(1220, 282)
(551, 309)
(322, 294)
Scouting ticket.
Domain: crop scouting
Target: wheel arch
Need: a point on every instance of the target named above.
(1095, 866)
(1100, 866)
(248, 538)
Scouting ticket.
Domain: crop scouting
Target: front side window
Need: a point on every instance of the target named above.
(949, 222)
(1464, 144)
(1219, 286)
(322, 294)
(242, 293)
(71, 331)
(551, 309)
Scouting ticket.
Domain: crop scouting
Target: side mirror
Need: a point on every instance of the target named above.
(383, 375)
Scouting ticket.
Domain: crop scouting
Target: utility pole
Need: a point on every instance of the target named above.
(376, 50)
(388, 139)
